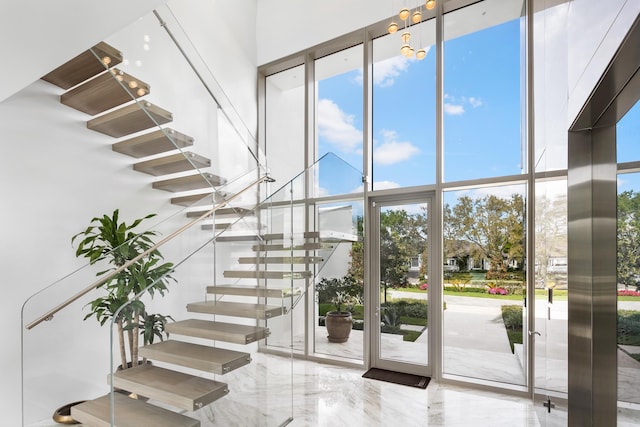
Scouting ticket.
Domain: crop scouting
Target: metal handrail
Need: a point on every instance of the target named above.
(49, 314)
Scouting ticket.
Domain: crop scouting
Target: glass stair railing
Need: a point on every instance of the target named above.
(200, 340)
(146, 92)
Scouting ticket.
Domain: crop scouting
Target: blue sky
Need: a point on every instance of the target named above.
(628, 147)
(482, 112)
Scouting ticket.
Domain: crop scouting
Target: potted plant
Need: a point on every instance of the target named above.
(344, 293)
(108, 239)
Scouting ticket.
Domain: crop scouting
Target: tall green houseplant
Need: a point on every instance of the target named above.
(108, 239)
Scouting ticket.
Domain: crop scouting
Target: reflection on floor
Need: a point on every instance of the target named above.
(320, 395)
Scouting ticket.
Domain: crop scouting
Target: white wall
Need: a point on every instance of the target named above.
(288, 26)
(225, 33)
(57, 175)
(40, 35)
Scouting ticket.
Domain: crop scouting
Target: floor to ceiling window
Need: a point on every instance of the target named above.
(484, 284)
(338, 151)
(628, 260)
(284, 124)
(386, 123)
(483, 95)
(404, 116)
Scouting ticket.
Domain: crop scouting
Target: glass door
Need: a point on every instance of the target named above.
(400, 283)
(549, 331)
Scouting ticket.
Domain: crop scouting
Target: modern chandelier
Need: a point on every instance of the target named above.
(416, 17)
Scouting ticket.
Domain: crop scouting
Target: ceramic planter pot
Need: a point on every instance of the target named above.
(338, 325)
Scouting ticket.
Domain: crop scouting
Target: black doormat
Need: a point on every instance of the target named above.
(397, 377)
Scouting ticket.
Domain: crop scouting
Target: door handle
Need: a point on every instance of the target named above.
(534, 333)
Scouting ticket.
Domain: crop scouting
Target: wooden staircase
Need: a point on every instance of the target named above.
(231, 315)
(115, 100)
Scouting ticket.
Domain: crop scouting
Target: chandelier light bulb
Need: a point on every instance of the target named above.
(106, 60)
(406, 37)
(392, 28)
(141, 92)
(133, 84)
(416, 17)
(430, 4)
(404, 50)
(404, 14)
(421, 54)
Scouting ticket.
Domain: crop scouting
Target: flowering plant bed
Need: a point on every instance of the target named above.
(628, 293)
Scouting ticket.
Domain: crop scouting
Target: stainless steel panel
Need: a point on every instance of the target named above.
(592, 277)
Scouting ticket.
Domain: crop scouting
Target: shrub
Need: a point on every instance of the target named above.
(628, 327)
(470, 289)
(512, 317)
(424, 286)
(408, 307)
(344, 292)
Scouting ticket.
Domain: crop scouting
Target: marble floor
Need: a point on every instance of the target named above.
(274, 391)
(323, 395)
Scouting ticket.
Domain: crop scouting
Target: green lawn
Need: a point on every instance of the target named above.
(558, 295)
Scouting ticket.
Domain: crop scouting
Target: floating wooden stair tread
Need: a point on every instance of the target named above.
(218, 331)
(84, 66)
(156, 142)
(190, 182)
(280, 247)
(280, 260)
(196, 356)
(280, 236)
(201, 198)
(130, 119)
(179, 162)
(251, 291)
(128, 413)
(218, 226)
(104, 92)
(236, 309)
(253, 274)
(178, 389)
(238, 238)
(324, 235)
(221, 212)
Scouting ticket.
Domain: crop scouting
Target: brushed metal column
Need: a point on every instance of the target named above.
(592, 197)
(592, 277)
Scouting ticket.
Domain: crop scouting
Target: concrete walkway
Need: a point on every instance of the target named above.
(476, 344)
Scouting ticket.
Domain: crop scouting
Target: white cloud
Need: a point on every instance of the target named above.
(385, 185)
(392, 151)
(475, 102)
(377, 185)
(453, 109)
(456, 105)
(385, 72)
(337, 127)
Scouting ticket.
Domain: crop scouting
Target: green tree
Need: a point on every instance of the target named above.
(551, 235)
(394, 248)
(628, 235)
(493, 225)
(356, 264)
